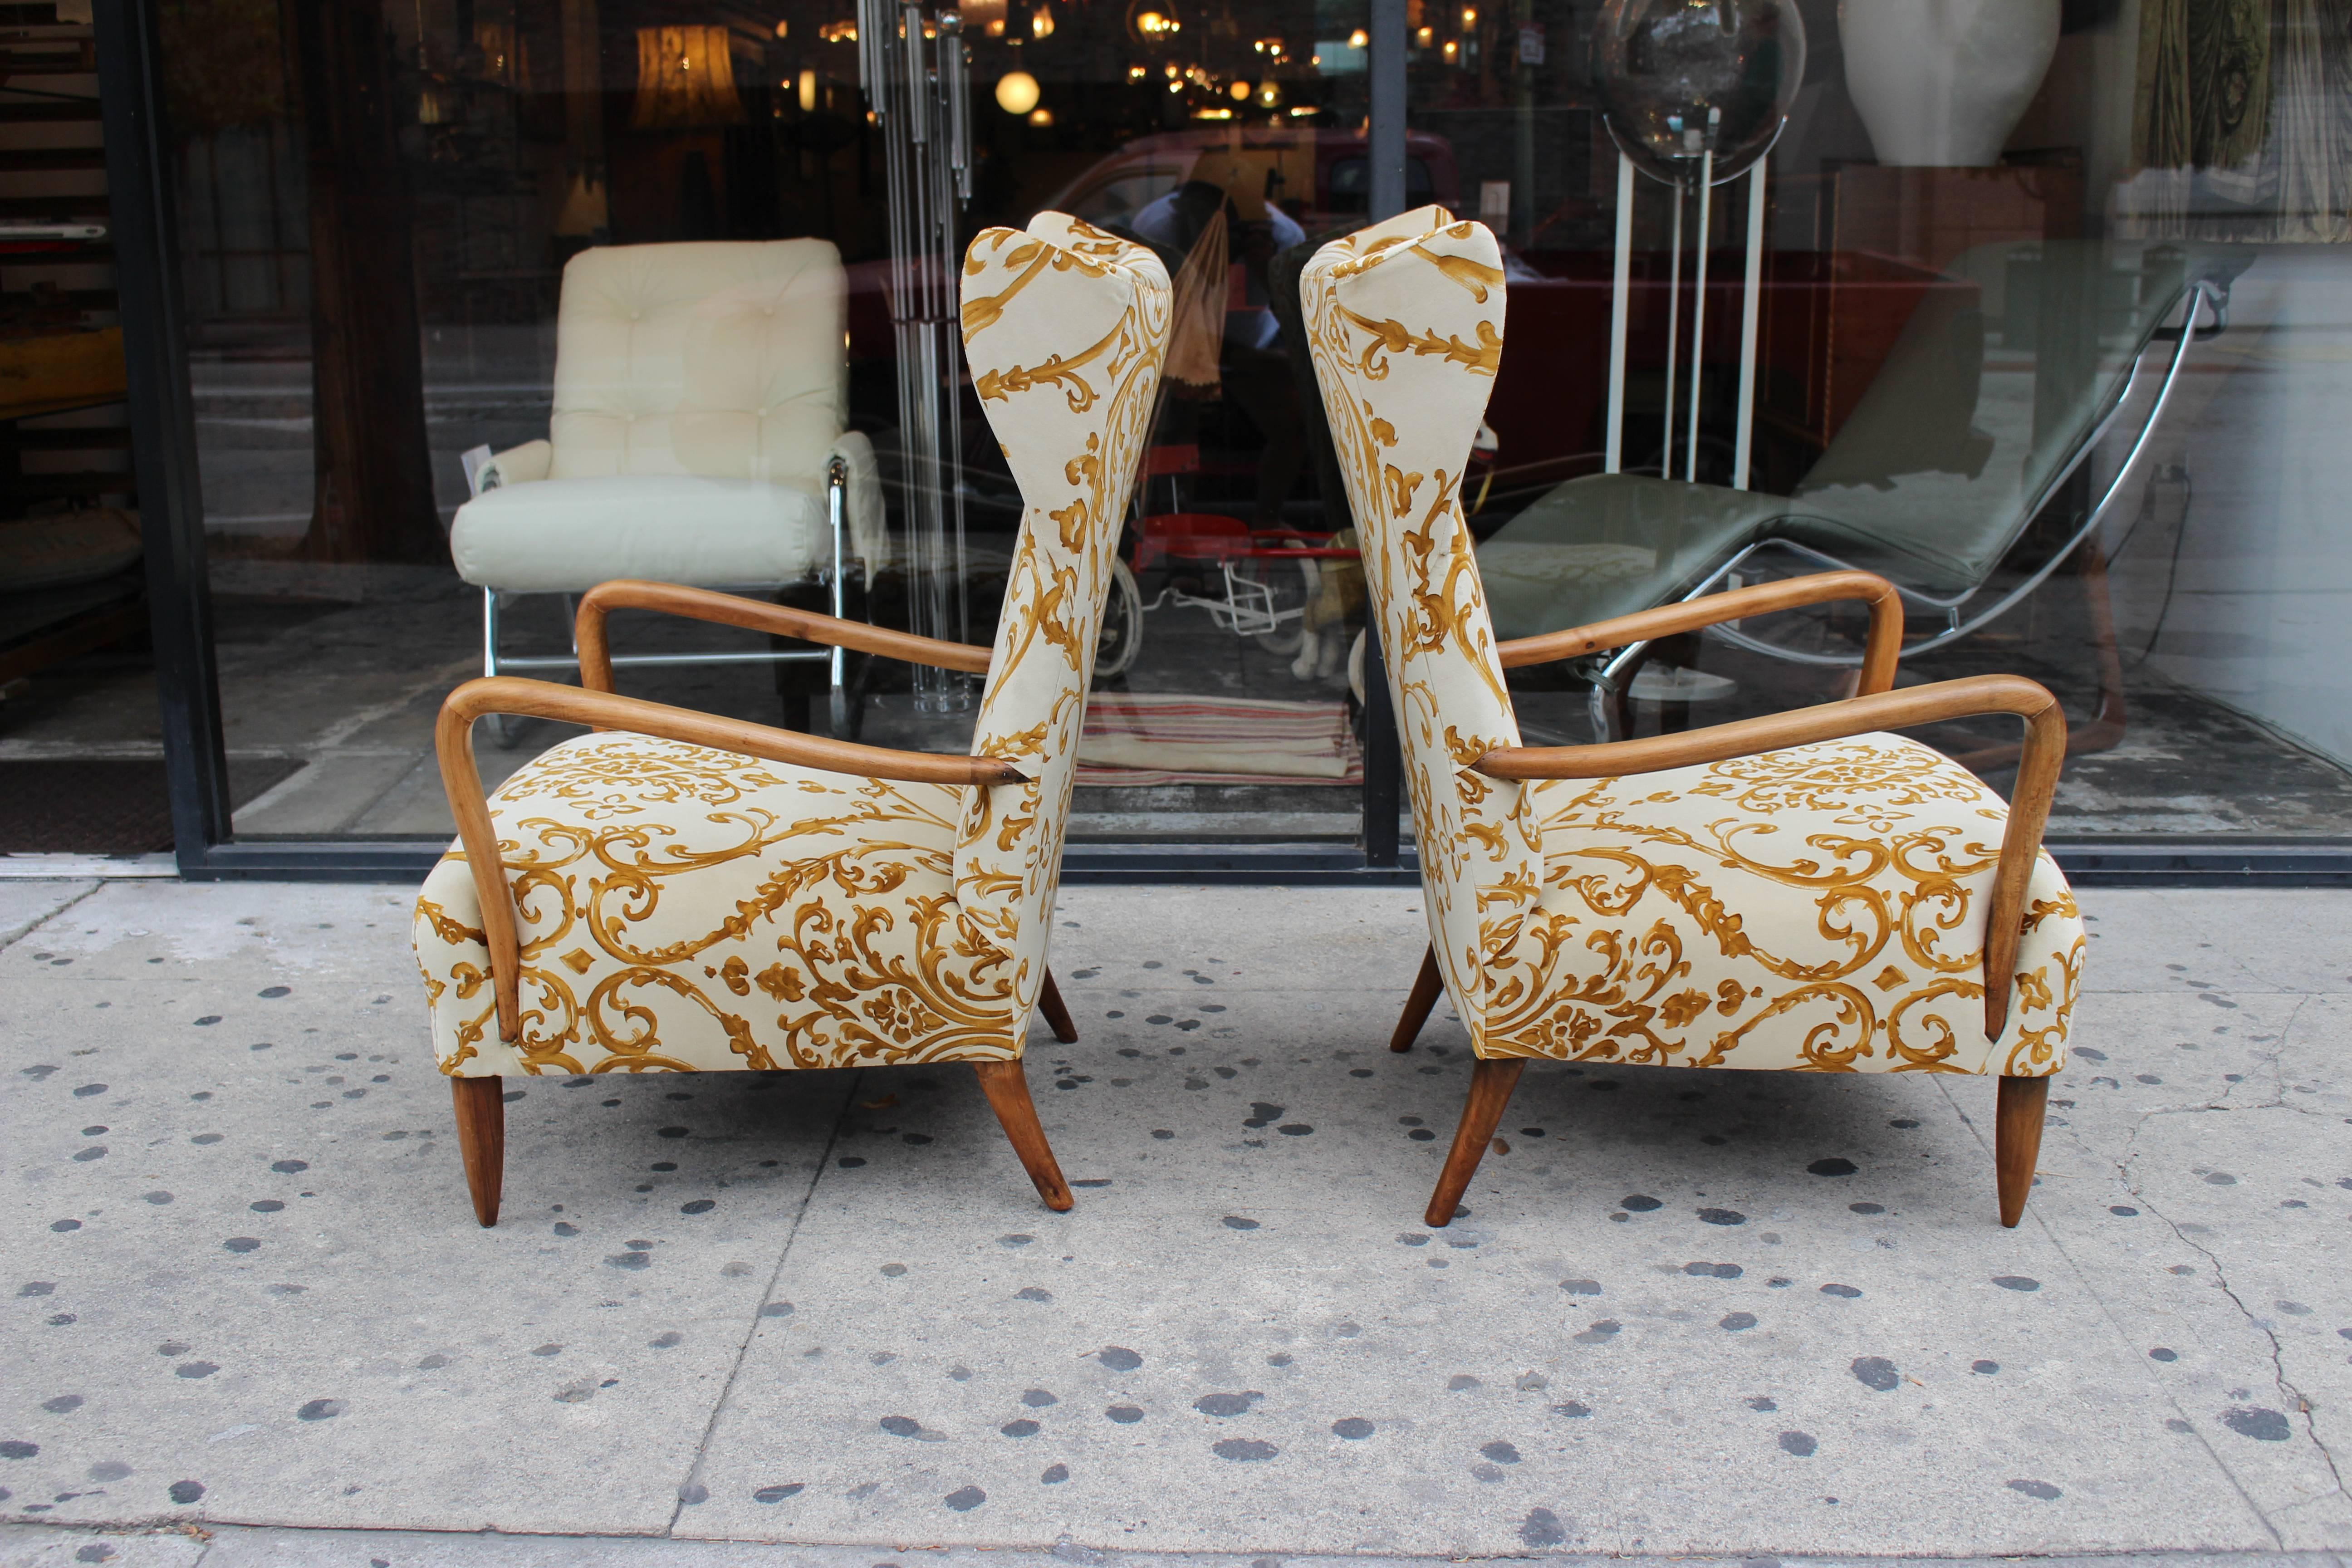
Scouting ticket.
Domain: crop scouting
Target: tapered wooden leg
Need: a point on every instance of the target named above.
(1058, 1012)
(1007, 1087)
(482, 1140)
(2017, 1141)
(1426, 987)
(1491, 1083)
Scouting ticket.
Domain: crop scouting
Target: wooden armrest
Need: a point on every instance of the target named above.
(2029, 807)
(751, 615)
(1886, 644)
(452, 739)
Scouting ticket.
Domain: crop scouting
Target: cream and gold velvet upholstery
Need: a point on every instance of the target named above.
(1821, 907)
(682, 908)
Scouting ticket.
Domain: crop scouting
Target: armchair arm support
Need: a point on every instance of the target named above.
(1886, 644)
(452, 739)
(732, 610)
(524, 465)
(869, 539)
(2029, 808)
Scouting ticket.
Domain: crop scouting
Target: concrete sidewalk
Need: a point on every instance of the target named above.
(1720, 1314)
(239, 1546)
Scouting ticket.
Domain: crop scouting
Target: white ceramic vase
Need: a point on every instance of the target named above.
(1942, 82)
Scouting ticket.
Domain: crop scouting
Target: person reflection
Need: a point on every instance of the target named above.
(1252, 362)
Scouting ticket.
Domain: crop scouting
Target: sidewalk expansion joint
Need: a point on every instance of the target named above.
(743, 1350)
(2289, 1393)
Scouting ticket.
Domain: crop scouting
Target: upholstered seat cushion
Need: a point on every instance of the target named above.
(1821, 907)
(682, 908)
(568, 536)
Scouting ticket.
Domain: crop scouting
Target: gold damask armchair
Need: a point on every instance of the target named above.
(677, 892)
(1801, 891)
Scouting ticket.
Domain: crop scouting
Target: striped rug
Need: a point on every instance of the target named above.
(1161, 738)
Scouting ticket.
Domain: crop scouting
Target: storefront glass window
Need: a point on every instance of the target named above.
(77, 767)
(487, 301)
(1972, 258)
(495, 299)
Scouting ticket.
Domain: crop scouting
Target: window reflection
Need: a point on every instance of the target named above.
(408, 258)
(1974, 268)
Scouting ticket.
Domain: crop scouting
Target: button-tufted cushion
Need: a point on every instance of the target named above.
(716, 358)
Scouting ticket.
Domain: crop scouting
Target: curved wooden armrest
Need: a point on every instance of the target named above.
(1886, 644)
(2029, 807)
(452, 739)
(751, 615)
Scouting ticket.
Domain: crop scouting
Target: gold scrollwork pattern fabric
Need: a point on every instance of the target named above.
(681, 908)
(1066, 330)
(1403, 408)
(1820, 907)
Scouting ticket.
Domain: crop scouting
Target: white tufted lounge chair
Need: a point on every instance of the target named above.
(700, 400)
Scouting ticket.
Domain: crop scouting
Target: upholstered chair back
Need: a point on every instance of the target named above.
(1066, 328)
(722, 358)
(1404, 320)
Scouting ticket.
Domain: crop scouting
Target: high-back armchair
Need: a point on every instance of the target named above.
(1802, 891)
(1065, 330)
(699, 436)
(680, 892)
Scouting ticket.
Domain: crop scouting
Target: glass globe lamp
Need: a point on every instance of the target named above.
(1680, 78)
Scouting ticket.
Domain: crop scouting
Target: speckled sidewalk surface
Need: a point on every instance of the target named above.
(251, 1319)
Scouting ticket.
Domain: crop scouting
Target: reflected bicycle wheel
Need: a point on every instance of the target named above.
(1122, 625)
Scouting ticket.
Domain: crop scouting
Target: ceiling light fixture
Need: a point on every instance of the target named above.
(1016, 92)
